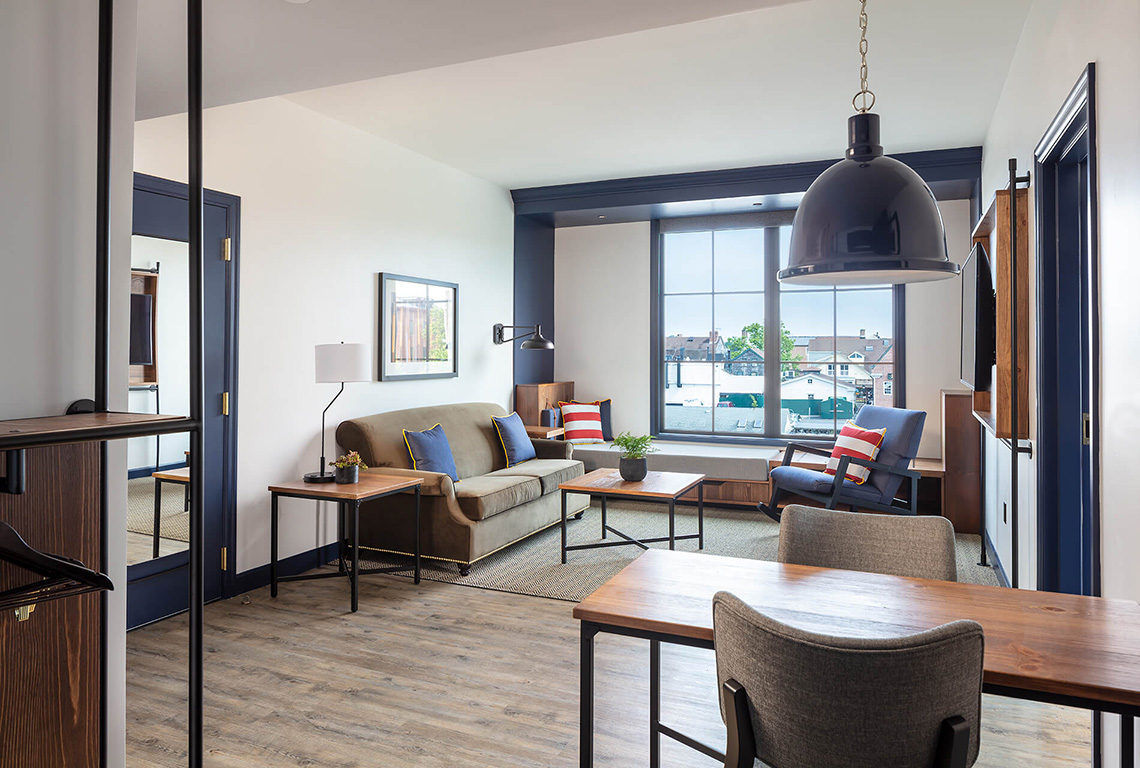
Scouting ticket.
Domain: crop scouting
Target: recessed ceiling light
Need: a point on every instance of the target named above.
(758, 203)
(601, 217)
(297, 2)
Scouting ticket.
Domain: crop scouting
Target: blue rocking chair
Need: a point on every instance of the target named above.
(888, 471)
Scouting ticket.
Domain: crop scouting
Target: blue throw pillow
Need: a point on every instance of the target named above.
(431, 452)
(514, 439)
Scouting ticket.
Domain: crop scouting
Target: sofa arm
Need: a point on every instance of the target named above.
(552, 449)
(435, 483)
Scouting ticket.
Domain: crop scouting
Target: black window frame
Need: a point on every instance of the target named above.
(657, 356)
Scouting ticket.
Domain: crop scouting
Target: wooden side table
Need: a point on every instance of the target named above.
(351, 496)
(180, 476)
(546, 433)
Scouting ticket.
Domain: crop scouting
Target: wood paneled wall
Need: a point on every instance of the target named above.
(50, 672)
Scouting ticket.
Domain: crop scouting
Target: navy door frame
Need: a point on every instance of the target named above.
(160, 588)
(1068, 348)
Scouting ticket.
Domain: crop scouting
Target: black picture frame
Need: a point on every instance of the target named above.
(417, 363)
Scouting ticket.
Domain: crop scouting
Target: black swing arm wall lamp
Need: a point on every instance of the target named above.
(534, 337)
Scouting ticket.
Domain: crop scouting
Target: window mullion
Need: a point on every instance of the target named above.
(772, 354)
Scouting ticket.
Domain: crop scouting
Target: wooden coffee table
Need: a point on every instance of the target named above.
(348, 498)
(664, 487)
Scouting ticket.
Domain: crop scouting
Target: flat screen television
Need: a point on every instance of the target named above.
(979, 320)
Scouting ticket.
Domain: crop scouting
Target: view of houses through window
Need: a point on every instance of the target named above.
(835, 346)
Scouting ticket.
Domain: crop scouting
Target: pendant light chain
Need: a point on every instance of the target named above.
(864, 91)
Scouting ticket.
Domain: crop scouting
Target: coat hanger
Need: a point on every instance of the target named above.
(62, 576)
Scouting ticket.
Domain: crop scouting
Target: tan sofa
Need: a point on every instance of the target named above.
(489, 508)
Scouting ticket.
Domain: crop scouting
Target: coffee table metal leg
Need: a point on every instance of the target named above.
(355, 555)
(700, 515)
(157, 513)
(672, 523)
(273, 545)
(564, 527)
(417, 535)
(603, 517)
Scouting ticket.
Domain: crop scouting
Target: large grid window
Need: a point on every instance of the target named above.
(722, 373)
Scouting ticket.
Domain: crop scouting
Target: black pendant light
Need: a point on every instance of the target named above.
(868, 219)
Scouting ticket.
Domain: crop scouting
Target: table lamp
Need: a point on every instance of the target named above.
(338, 363)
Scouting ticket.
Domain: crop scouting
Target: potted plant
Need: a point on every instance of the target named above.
(348, 468)
(633, 466)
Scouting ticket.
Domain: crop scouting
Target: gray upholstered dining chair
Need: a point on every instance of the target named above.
(920, 547)
(797, 699)
(890, 468)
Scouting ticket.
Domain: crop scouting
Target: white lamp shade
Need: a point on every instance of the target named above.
(343, 362)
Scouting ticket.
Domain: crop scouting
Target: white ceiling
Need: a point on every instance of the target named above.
(258, 48)
(525, 93)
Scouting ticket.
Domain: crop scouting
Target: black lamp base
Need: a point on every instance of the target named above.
(319, 477)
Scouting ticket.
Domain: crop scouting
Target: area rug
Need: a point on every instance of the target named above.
(175, 523)
(533, 566)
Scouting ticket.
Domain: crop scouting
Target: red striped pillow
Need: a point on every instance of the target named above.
(582, 422)
(860, 443)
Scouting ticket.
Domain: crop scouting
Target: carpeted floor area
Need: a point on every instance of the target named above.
(533, 567)
(140, 509)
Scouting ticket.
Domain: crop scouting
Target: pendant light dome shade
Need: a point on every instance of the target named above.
(867, 220)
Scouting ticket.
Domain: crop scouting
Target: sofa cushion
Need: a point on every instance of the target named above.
(801, 479)
(516, 443)
(485, 496)
(430, 451)
(474, 445)
(550, 472)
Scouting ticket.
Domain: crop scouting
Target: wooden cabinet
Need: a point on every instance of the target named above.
(962, 461)
(733, 493)
(993, 231)
(50, 678)
(532, 399)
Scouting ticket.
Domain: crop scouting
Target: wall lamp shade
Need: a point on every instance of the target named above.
(535, 341)
(867, 220)
(343, 362)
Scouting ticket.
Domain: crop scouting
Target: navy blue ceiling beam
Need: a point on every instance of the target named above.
(936, 167)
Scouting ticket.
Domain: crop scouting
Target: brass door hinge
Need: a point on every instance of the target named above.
(226, 252)
(225, 551)
(1086, 428)
(225, 403)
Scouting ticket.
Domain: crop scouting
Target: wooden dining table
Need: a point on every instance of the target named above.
(1068, 650)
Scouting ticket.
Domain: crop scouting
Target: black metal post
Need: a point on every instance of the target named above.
(1014, 427)
(197, 383)
(102, 327)
(417, 550)
(982, 501)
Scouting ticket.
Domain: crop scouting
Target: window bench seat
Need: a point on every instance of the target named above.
(737, 475)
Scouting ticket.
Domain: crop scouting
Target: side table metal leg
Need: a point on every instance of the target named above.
(1127, 741)
(603, 517)
(672, 523)
(586, 698)
(157, 513)
(654, 703)
(700, 516)
(417, 534)
(355, 555)
(342, 563)
(273, 545)
(564, 527)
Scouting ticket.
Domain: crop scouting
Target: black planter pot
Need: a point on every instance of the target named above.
(633, 470)
(347, 475)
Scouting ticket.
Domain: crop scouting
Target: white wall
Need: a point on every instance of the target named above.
(601, 310)
(933, 338)
(48, 59)
(172, 344)
(1059, 38)
(325, 207)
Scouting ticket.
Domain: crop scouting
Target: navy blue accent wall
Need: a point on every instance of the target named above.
(534, 297)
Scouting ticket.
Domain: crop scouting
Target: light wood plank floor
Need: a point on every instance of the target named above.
(450, 676)
(140, 547)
